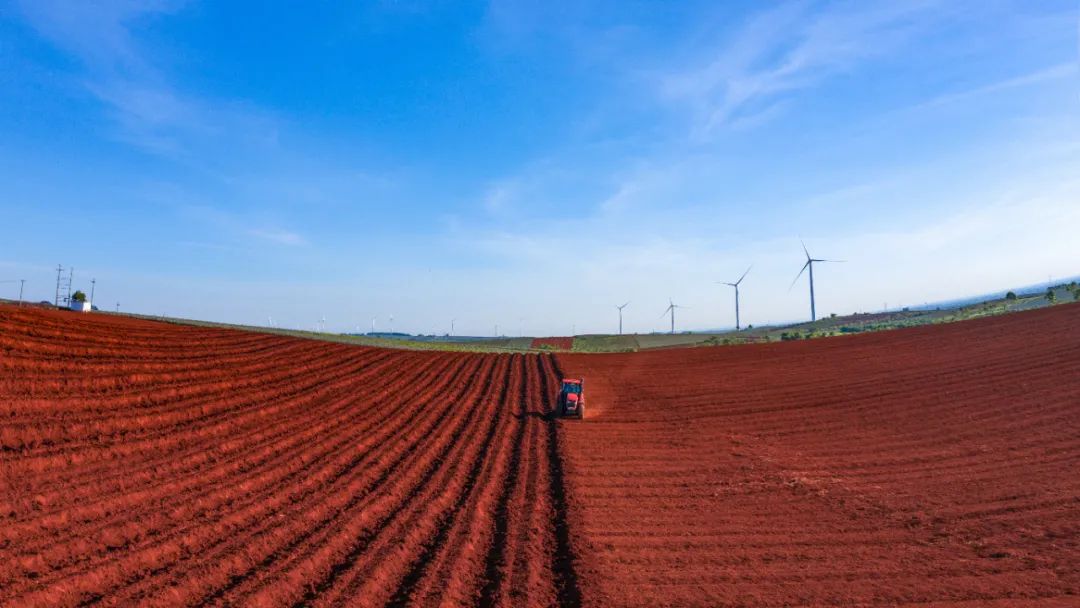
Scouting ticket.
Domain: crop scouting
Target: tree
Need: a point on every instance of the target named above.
(1050, 295)
(1010, 296)
(78, 296)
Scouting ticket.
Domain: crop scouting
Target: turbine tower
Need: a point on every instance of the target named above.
(736, 286)
(671, 308)
(620, 315)
(810, 264)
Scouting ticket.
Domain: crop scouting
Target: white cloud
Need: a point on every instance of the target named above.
(1051, 73)
(149, 113)
(97, 32)
(281, 237)
(970, 246)
(498, 197)
(785, 49)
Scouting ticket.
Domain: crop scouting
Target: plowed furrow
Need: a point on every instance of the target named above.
(250, 518)
(207, 491)
(300, 547)
(414, 526)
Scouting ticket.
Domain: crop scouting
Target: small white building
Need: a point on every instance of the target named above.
(80, 306)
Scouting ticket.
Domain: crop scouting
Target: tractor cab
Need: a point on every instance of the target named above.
(572, 397)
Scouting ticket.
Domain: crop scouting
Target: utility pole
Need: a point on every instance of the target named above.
(71, 279)
(117, 307)
(93, 284)
(22, 283)
(59, 273)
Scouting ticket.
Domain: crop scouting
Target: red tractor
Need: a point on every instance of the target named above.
(572, 398)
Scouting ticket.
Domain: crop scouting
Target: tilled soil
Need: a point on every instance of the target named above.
(155, 464)
(144, 463)
(932, 465)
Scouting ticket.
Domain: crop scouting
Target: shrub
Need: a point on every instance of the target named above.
(1010, 296)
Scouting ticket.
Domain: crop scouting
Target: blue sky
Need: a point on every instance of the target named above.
(533, 164)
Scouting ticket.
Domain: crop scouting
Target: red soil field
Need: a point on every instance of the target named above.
(156, 464)
(936, 465)
(556, 343)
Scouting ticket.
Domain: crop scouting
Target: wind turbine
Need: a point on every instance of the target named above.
(373, 324)
(671, 308)
(620, 315)
(736, 286)
(452, 327)
(810, 264)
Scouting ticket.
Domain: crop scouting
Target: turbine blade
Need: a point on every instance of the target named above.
(744, 274)
(799, 275)
(833, 261)
(804, 249)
